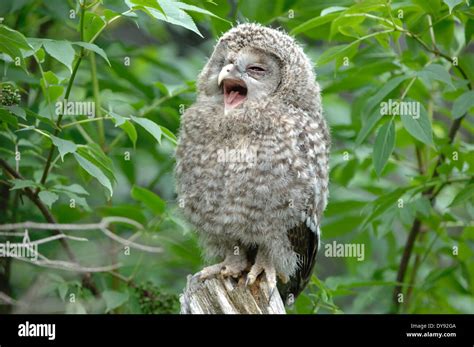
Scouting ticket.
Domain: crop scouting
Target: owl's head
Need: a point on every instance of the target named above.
(257, 64)
(249, 74)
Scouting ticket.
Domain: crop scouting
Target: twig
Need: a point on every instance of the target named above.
(86, 279)
(44, 240)
(103, 226)
(68, 266)
(9, 300)
(104, 223)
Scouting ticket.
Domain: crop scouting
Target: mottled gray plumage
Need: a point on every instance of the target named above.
(268, 105)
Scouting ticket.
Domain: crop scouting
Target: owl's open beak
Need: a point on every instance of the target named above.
(233, 87)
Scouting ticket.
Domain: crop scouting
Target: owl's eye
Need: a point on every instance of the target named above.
(255, 68)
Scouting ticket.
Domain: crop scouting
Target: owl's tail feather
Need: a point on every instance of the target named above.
(305, 243)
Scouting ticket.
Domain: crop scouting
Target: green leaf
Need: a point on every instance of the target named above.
(468, 30)
(118, 119)
(114, 299)
(193, 8)
(419, 128)
(129, 128)
(149, 199)
(436, 72)
(332, 9)
(368, 126)
(423, 206)
(94, 171)
(93, 152)
(78, 200)
(49, 198)
(150, 126)
(17, 111)
(21, 184)
(147, 3)
(13, 38)
(384, 145)
(169, 135)
(167, 11)
(94, 48)
(7, 117)
(314, 23)
(40, 118)
(464, 195)
(452, 4)
(64, 146)
(109, 14)
(50, 78)
(463, 104)
(338, 52)
(50, 82)
(93, 23)
(55, 92)
(342, 21)
(73, 188)
(62, 51)
(63, 289)
(386, 89)
(35, 44)
(11, 43)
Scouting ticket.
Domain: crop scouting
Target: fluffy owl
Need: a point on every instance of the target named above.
(252, 159)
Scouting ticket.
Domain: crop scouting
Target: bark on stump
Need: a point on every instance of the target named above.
(229, 296)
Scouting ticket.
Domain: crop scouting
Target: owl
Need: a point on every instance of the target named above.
(252, 160)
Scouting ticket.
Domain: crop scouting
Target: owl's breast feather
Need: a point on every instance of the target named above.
(242, 181)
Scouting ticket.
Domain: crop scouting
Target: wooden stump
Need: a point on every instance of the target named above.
(229, 296)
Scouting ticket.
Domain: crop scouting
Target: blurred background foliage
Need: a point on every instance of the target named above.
(391, 177)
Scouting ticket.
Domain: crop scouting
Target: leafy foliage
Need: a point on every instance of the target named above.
(91, 138)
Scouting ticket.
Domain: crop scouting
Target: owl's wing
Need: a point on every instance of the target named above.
(305, 237)
(305, 243)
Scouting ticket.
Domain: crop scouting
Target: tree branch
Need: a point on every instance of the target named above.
(86, 278)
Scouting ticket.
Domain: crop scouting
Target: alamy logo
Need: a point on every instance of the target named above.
(76, 108)
(345, 250)
(400, 108)
(242, 155)
(37, 330)
(25, 249)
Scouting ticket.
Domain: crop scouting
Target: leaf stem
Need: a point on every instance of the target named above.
(87, 120)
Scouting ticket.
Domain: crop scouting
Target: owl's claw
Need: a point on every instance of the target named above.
(210, 271)
(232, 266)
(233, 270)
(270, 274)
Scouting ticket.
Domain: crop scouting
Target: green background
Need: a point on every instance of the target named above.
(391, 176)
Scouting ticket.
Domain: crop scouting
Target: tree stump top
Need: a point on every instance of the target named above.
(229, 296)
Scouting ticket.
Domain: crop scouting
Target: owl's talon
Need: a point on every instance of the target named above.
(233, 270)
(210, 271)
(233, 266)
(255, 271)
(263, 266)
